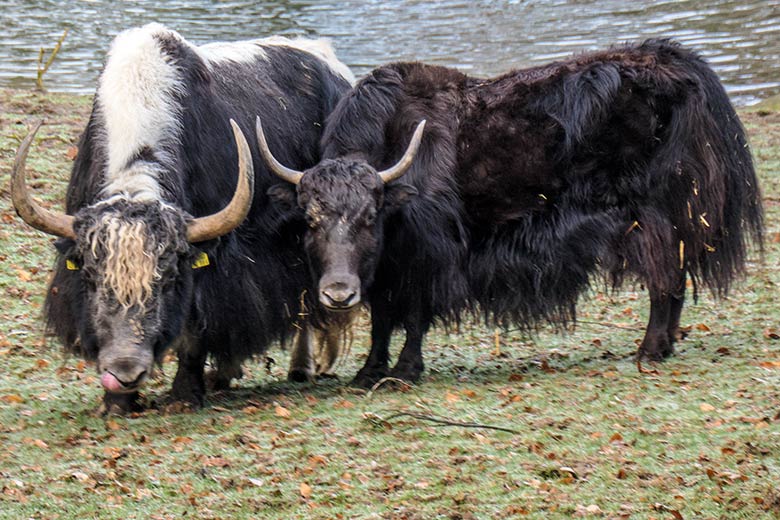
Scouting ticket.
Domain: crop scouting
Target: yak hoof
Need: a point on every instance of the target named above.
(184, 398)
(176, 403)
(409, 374)
(300, 375)
(119, 404)
(657, 350)
(367, 378)
(217, 381)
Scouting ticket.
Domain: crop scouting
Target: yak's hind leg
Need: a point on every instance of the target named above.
(375, 367)
(676, 302)
(663, 329)
(227, 370)
(189, 384)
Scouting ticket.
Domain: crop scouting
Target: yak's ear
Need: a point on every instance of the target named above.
(397, 194)
(64, 245)
(284, 195)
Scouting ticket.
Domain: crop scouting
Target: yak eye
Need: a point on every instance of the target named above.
(312, 222)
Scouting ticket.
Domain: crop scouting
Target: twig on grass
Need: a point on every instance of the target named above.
(612, 325)
(444, 422)
(431, 417)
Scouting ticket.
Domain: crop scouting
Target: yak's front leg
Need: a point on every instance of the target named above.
(375, 367)
(410, 366)
(189, 384)
(302, 367)
(119, 404)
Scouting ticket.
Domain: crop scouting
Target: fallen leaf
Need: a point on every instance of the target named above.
(216, 462)
(771, 333)
(318, 460)
(305, 490)
(71, 153)
(702, 327)
(80, 476)
(704, 407)
(281, 411)
(12, 399)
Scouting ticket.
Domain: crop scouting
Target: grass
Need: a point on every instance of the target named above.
(595, 438)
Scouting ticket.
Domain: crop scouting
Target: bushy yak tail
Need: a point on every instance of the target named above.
(705, 168)
(693, 195)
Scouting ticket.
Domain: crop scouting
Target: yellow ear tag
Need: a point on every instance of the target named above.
(202, 260)
(70, 265)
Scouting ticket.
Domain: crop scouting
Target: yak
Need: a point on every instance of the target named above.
(168, 239)
(625, 163)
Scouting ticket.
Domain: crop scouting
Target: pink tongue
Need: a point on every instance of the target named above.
(110, 382)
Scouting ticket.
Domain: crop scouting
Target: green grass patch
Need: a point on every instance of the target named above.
(593, 437)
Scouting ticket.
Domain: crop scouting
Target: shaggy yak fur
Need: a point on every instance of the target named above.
(128, 276)
(630, 162)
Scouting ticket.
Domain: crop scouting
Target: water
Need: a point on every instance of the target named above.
(741, 39)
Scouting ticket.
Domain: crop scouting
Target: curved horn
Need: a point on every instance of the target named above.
(288, 174)
(401, 166)
(227, 219)
(40, 218)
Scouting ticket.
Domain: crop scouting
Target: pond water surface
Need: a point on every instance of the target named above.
(741, 39)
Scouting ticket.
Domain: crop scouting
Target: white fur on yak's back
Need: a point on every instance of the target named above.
(137, 99)
(246, 51)
(138, 94)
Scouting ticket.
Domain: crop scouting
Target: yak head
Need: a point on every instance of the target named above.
(345, 201)
(132, 261)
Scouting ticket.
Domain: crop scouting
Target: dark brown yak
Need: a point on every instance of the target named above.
(629, 162)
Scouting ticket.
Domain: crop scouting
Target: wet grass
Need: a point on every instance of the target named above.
(593, 437)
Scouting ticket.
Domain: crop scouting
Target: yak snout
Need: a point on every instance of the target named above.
(124, 373)
(340, 292)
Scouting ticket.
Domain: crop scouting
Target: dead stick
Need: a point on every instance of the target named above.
(42, 69)
(446, 422)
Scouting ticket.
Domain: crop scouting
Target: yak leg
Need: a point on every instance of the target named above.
(663, 327)
(189, 385)
(410, 365)
(227, 370)
(330, 346)
(676, 305)
(119, 404)
(375, 367)
(302, 360)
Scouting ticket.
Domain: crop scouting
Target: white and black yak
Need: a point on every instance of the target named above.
(164, 242)
(630, 162)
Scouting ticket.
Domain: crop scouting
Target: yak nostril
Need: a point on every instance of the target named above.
(134, 382)
(339, 298)
(122, 379)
